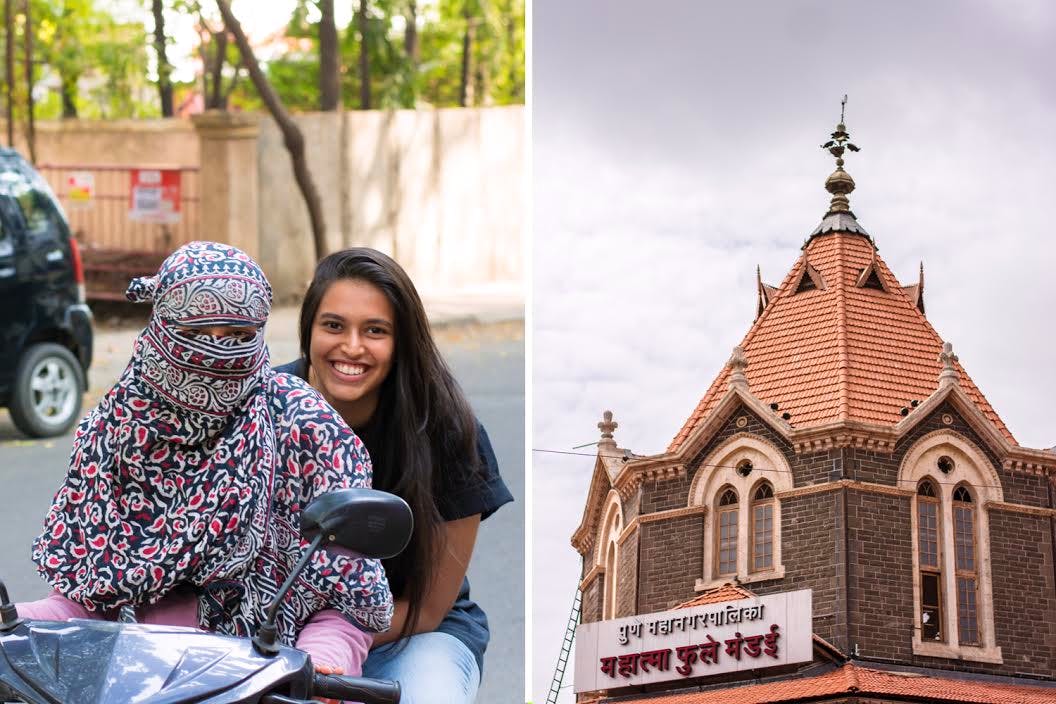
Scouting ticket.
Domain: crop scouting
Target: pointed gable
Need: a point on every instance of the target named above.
(847, 352)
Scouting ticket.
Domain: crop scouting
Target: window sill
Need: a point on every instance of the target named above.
(705, 584)
(972, 653)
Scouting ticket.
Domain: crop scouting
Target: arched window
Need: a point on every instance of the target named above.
(726, 532)
(609, 600)
(762, 556)
(741, 483)
(967, 575)
(607, 555)
(953, 483)
(928, 541)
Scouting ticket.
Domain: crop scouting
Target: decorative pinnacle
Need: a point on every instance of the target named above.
(840, 183)
(607, 425)
(737, 364)
(948, 375)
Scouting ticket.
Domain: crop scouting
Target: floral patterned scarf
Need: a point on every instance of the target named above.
(194, 467)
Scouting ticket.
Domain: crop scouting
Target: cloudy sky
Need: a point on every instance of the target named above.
(676, 147)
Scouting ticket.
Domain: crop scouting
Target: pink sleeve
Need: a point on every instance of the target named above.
(177, 608)
(55, 607)
(331, 640)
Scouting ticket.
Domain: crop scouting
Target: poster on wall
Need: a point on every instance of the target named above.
(747, 634)
(80, 190)
(155, 195)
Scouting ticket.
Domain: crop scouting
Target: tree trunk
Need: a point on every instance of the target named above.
(215, 98)
(9, 71)
(410, 34)
(291, 134)
(329, 59)
(465, 94)
(68, 92)
(164, 68)
(364, 56)
(31, 129)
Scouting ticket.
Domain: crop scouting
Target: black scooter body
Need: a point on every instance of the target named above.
(101, 662)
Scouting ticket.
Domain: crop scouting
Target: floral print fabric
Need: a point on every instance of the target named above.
(194, 468)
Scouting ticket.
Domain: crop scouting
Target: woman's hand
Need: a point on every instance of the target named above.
(323, 669)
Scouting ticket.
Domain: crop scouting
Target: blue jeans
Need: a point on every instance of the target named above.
(432, 668)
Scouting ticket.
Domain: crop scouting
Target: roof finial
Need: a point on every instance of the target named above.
(840, 183)
(948, 375)
(737, 364)
(607, 426)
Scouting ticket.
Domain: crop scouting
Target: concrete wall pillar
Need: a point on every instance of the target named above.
(227, 146)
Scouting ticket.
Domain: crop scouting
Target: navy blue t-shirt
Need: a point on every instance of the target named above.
(462, 495)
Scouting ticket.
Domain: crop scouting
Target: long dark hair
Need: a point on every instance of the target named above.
(422, 425)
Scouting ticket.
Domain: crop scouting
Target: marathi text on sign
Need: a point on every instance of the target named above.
(669, 624)
(630, 664)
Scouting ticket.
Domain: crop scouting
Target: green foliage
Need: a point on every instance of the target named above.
(100, 62)
(498, 55)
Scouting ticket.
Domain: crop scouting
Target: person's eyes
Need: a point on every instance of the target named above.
(242, 335)
(377, 331)
(330, 325)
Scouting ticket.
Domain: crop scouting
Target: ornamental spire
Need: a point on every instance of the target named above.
(839, 184)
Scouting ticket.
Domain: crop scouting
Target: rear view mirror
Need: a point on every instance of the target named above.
(368, 522)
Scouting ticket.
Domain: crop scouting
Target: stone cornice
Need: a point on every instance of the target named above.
(595, 572)
(869, 487)
(672, 513)
(628, 531)
(656, 467)
(1020, 508)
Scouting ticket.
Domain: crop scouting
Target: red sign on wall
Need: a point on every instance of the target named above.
(155, 195)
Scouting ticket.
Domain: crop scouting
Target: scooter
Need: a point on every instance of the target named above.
(102, 662)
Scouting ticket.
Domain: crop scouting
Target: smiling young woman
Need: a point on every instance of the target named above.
(367, 348)
(352, 346)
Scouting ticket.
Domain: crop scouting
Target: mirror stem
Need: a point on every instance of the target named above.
(264, 641)
(8, 613)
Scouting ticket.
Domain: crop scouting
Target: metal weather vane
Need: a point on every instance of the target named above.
(840, 183)
(840, 138)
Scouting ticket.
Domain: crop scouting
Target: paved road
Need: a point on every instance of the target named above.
(487, 359)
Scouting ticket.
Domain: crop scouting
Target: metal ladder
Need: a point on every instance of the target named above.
(566, 647)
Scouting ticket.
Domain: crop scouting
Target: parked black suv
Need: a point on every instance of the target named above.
(45, 326)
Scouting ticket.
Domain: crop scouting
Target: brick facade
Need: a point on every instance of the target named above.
(851, 543)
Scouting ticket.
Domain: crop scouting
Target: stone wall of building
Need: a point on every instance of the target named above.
(852, 545)
(671, 562)
(627, 588)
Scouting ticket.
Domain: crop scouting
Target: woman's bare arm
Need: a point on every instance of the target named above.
(456, 547)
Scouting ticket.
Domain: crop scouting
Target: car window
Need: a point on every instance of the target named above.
(7, 246)
(42, 218)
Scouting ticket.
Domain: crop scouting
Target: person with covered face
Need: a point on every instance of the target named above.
(185, 484)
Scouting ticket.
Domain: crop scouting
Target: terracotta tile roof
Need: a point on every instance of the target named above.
(841, 352)
(727, 592)
(860, 681)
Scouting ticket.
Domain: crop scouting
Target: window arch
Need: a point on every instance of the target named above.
(965, 565)
(761, 557)
(952, 590)
(928, 550)
(726, 524)
(607, 553)
(742, 523)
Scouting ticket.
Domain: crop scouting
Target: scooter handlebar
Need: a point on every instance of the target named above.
(356, 689)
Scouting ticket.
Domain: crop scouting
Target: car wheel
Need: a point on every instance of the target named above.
(48, 391)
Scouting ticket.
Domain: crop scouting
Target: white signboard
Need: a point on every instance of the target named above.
(748, 634)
